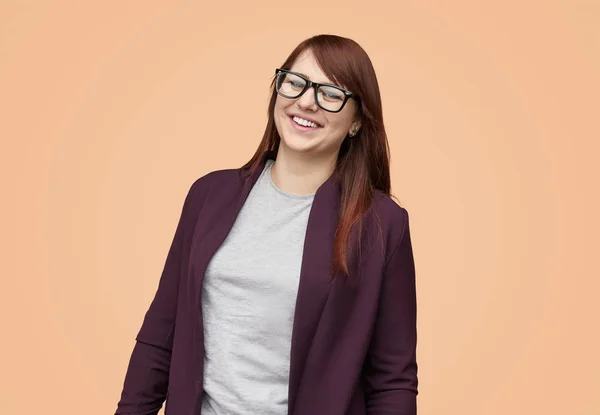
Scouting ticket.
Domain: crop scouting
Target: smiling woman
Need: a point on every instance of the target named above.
(289, 288)
(322, 112)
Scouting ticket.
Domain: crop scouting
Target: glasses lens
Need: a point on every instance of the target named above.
(330, 98)
(290, 85)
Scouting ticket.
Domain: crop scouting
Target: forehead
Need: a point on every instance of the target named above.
(307, 65)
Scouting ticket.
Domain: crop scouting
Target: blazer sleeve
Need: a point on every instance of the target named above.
(147, 377)
(391, 366)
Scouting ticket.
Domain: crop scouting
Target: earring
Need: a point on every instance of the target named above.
(353, 132)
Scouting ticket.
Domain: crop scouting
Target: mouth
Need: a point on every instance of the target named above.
(302, 124)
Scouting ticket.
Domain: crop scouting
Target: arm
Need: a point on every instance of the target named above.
(147, 377)
(391, 366)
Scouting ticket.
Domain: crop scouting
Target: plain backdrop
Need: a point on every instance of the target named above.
(109, 110)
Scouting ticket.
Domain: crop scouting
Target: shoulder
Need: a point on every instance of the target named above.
(389, 211)
(392, 219)
(227, 175)
(216, 178)
(209, 183)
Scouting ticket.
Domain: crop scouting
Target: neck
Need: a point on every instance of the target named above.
(301, 173)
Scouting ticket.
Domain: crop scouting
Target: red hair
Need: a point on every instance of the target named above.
(363, 160)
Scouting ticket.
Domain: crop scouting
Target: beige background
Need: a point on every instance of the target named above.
(110, 110)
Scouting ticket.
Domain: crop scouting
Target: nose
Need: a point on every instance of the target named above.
(307, 101)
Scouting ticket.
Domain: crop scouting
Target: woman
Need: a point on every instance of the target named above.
(289, 287)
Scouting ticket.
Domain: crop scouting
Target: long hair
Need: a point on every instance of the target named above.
(363, 160)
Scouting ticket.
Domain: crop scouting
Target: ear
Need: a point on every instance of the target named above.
(354, 127)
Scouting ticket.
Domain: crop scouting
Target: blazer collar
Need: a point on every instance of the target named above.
(330, 189)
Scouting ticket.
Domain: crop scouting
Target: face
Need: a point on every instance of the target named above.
(331, 128)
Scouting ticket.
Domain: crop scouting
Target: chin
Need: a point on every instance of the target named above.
(298, 143)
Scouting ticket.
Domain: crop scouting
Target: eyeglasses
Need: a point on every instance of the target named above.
(292, 85)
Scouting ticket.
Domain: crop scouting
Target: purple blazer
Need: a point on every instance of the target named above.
(353, 341)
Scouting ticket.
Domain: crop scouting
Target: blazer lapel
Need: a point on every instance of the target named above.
(226, 219)
(209, 245)
(314, 283)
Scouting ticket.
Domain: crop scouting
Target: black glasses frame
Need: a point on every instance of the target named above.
(315, 86)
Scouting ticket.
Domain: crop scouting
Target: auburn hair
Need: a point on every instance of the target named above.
(363, 160)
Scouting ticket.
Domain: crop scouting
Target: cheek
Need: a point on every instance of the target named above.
(279, 112)
(279, 116)
(281, 104)
(338, 128)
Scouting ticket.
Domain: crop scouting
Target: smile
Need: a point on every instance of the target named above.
(304, 123)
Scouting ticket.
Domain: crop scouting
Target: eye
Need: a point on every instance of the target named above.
(297, 84)
(331, 94)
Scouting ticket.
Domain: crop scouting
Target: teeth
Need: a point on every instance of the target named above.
(304, 122)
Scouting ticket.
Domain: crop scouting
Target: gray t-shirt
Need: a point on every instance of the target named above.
(248, 301)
